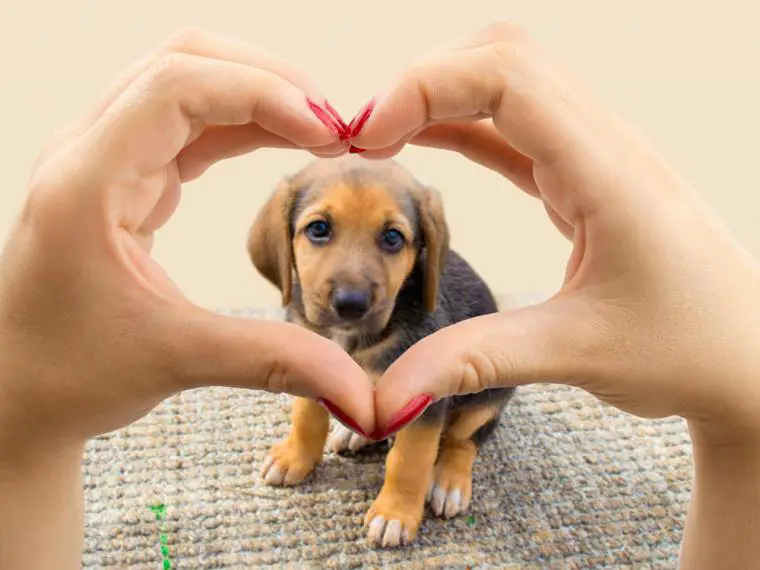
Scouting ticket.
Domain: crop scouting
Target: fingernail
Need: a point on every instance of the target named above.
(342, 417)
(407, 415)
(335, 115)
(355, 149)
(358, 122)
(326, 118)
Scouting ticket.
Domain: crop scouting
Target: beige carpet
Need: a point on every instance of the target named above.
(565, 483)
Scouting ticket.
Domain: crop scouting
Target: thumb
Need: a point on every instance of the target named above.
(540, 343)
(209, 349)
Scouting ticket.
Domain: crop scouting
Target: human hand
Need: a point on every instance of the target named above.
(94, 332)
(657, 314)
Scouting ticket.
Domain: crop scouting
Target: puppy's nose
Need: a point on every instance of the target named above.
(350, 304)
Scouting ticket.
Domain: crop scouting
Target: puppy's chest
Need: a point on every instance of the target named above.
(366, 356)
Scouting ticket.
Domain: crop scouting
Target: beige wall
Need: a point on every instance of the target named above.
(688, 76)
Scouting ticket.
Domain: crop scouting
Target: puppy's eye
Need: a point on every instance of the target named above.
(392, 240)
(318, 231)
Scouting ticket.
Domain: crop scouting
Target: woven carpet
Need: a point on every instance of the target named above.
(565, 483)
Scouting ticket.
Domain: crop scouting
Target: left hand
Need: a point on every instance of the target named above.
(94, 333)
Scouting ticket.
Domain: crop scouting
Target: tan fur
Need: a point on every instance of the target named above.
(408, 473)
(470, 420)
(451, 491)
(357, 216)
(436, 232)
(297, 455)
(269, 244)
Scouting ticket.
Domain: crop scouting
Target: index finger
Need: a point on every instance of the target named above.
(202, 43)
(480, 142)
(499, 73)
(180, 95)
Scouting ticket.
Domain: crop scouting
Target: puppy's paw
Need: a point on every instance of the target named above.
(451, 490)
(288, 464)
(392, 522)
(341, 439)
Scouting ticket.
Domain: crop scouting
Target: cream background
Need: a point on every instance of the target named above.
(687, 76)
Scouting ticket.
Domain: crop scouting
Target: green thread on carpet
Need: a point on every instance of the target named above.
(160, 511)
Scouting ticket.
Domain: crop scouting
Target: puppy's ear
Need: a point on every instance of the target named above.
(435, 242)
(270, 241)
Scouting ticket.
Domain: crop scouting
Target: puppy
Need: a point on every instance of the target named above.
(360, 252)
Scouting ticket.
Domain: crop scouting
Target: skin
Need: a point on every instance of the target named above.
(93, 334)
(657, 315)
(658, 311)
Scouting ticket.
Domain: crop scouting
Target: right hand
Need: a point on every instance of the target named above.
(659, 313)
(93, 332)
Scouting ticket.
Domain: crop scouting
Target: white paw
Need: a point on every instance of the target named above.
(447, 501)
(272, 472)
(286, 465)
(341, 439)
(388, 534)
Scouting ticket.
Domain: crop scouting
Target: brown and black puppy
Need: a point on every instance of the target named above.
(360, 251)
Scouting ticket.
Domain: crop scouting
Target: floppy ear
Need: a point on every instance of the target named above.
(270, 241)
(435, 242)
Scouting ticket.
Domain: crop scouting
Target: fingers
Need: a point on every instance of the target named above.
(478, 141)
(173, 102)
(220, 143)
(207, 349)
(483, 144)
(202, 43)
(498, 73)
(540, 110)
(550, 342)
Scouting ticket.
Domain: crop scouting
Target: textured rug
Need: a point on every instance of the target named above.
(566, 483)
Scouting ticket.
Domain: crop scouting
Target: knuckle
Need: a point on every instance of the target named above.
(168, 67)
(45, 207)
(479, 372)
(503, 31)
(185, 39)
(504, 52)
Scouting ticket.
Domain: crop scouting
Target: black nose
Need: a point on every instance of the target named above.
(350, 303)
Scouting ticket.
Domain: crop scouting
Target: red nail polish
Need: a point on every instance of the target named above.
(326, 118)
(407, 415)
(342, 417)
(335, 115)
(355, 149)
(358, 122)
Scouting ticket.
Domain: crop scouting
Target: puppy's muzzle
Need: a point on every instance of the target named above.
(350, 304)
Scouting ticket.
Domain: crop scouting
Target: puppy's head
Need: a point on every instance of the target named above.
(349, 232)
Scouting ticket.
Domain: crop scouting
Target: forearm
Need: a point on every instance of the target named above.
(723, 523)
(41, 510)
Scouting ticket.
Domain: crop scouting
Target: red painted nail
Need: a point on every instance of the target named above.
(326, 118)
(407, 415)
(355, 149)
(335, 115)
(342, 417)
(361, 118)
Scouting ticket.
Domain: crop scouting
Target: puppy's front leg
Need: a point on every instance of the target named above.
(397, 512)
(292, 459)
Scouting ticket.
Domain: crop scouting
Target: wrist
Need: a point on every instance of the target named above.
(729, 434)
(42, 506)
(722, 523)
